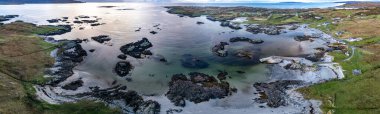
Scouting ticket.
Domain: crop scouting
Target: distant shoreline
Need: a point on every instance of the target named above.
(11, 2)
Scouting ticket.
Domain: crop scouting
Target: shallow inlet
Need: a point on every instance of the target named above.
(179, 35)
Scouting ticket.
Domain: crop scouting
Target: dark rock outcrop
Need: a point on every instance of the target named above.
(231, 25)
(137, 49)
(130, 98)
(91, 50)
(7, 17)
(304, 38)
(274, 93)
(200, 23)
(53, 20)
(198, 88)
(73, 85)
(244, 39)
(153, 32)
(270, 30)
(123, 68)
(68, 56)
(189, 61)
(222, 75)
(122, 56)
(160, 58)
(220, 49)
(101, 38)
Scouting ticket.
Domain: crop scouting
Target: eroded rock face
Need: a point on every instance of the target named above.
(123, 68)
(274, 93)
(198, 88)
(189, 61)
(137, 49)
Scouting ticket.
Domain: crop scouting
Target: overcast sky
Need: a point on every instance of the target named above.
(223, 0)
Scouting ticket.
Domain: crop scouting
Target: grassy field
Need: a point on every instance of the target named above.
(353, 94)
(23, 58)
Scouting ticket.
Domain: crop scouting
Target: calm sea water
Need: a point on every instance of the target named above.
(282, 5)
(179, 35)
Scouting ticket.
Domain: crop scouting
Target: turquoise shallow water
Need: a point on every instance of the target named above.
(178, 36)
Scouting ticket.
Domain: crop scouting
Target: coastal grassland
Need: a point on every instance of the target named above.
(275, 19)
(355, 94)
(23, 59)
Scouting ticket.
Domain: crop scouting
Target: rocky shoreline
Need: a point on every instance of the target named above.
(286, 74)
(63, 78)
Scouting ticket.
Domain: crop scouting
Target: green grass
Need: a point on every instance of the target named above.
(353, 94)
(24, 56)
(366, 41)
(276, 19)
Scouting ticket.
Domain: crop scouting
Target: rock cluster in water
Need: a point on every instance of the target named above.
(137, 49)
(198, 88)
(7, 17)
(123, 68)
(304, 38)
(231, 25)
(78, 20)
(101, 38)
(220, 49)
(200, 23)
(244, 39)
(267, 29)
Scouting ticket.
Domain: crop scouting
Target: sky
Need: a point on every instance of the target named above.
(197, 1)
